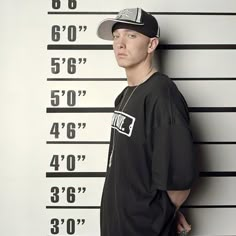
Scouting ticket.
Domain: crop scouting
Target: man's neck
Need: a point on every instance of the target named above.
(138, 75)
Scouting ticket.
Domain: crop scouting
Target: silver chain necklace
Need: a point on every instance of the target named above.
(113, 136)
(114, 132)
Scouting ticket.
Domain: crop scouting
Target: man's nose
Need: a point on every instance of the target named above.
(120, 43)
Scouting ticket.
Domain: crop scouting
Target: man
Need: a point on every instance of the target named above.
(151, 165)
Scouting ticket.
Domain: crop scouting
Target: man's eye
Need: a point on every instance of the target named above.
(115, 36)
(131, 35)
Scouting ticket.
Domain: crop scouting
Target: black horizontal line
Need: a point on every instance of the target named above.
(218, 174)
(215, 143)
(160, 47)
(205, 78)
(103, 174)
(78, 47)
(87, 79)
(75, 174)
(107, 142)
(73, 207)
(77, 142)
(124, 79)
(212, 109)
(80, 110)
(111, 109)
(209, 206)
(182, 207)
(153, 13)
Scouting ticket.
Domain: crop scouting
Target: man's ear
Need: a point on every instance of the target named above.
(153, 44)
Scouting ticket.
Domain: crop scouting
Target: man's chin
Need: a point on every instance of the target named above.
(123, 65)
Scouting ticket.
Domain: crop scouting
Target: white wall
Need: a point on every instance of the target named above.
(204, 71)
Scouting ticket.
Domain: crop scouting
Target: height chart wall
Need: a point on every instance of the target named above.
(58, 85)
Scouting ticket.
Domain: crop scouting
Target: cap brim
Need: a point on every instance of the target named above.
(104, 30)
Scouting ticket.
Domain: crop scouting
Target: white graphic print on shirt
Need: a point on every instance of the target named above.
(123, 123)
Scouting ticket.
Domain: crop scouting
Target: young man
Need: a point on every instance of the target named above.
(151, 164)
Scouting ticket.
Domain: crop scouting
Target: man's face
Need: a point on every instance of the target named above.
(130, 47)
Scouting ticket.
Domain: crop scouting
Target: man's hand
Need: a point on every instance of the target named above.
(178, 198)
(182, 224)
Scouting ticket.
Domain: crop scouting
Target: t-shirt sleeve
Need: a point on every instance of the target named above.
(119, 97)
(173, 157)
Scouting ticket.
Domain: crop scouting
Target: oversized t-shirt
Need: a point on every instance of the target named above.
(151, 151)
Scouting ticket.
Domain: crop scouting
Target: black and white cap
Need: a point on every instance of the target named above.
(132, 18)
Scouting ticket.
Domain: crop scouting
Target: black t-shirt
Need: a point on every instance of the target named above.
(151, 151)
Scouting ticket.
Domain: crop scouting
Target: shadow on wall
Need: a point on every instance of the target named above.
(158, 59)
(160, 56)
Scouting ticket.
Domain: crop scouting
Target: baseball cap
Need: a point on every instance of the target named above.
(132, 18)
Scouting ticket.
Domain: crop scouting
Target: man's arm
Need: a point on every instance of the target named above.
(178, 197)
